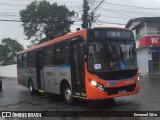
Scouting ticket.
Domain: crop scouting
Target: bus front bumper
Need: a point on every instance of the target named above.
(107, 93)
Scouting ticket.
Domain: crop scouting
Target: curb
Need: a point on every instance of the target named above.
(8, 78)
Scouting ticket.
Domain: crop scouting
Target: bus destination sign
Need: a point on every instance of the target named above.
(113, 33)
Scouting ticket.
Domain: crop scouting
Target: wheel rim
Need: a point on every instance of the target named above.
(30, 87)
(68, 95)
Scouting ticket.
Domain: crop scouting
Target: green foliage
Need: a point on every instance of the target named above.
(43, 21)
(8, 49)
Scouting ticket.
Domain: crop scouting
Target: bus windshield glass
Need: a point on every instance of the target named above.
(111, 55)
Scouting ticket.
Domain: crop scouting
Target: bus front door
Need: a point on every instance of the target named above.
(39, 69)
(77, 68)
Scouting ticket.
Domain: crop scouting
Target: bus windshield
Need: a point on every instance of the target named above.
(111, 55)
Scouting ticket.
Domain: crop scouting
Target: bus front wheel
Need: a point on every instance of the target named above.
(31, 87)
(67, 94)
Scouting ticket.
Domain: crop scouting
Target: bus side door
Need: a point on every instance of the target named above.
(39, 69)
(77, 67)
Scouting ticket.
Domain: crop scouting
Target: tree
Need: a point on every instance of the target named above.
(43, 21)
(8, 50)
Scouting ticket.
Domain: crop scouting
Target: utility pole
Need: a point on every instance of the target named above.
(85, 17)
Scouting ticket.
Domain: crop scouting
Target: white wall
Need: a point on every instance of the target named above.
(8, 71)
(143, 55)
(142, 30)
(152, 29)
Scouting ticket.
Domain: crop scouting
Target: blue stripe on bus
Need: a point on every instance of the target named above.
(64, 67)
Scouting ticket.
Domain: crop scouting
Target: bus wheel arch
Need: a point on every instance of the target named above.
(66, 93)
(31, 86)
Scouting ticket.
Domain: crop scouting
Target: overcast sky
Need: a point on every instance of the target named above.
(111, 13)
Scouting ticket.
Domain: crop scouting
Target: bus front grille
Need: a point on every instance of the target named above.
(112, 91)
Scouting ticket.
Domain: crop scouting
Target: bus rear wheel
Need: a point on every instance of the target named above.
(67, 95)
(31, 87)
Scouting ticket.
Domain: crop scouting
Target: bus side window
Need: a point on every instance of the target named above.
(32, 59)
(61, 53)
(19, 61)
(25, 60)
(48, 56)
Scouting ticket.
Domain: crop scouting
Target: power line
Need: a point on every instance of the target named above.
(26, 4)
(112, 23)
(32, 21)
(124, 10)
(137, 11)
(12, 4)
(90, 16)
(109, 16)
(117, 12)
(129, 15)
(5, 15)
(131, 6)
(97, 6)
(13, 9)
(10, 20)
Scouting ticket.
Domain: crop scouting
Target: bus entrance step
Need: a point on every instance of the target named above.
(41, 91)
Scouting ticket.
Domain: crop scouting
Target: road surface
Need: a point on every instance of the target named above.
(17, 98)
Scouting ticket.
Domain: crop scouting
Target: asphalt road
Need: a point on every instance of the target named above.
(17, 98)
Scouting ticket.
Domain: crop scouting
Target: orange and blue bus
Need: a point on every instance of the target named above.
(92, 64)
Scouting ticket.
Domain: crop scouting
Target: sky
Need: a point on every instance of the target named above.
(109, 13)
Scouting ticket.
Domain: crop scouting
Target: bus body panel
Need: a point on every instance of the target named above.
(94, 93)
(53, 77)
(25, 74)
(98, 94)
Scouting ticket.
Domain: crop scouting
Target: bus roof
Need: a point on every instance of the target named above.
(82, 33)
(71, 35)
(111, 28)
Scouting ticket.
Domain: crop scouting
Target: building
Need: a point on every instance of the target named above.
(147, 35)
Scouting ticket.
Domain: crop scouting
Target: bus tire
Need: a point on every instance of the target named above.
(31, 87)
(0, 85)
(67, 95)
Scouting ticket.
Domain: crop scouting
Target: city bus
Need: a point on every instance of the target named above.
(92, 64)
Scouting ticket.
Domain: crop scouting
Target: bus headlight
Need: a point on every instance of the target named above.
(94, 83)
(137, 81)
(97, 85)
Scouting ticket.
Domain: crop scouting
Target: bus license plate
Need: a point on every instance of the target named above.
(121, 91)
